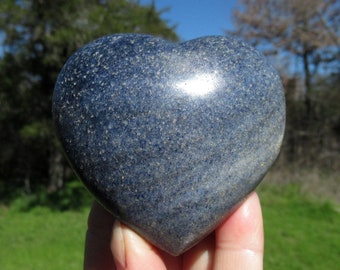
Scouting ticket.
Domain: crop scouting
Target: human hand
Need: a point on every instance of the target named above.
(236, 244)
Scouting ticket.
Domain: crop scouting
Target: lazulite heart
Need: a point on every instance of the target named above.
(169, 137)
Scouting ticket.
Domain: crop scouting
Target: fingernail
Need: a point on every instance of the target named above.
(136, 242)
(118, 245)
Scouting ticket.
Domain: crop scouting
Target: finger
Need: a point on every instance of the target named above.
(132, 252)
(239, 240)
(98, 254)
(201, 256)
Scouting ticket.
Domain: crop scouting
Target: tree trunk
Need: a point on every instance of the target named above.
(307, 81)
(56, 171)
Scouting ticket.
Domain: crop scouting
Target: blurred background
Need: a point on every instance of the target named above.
(39, 192)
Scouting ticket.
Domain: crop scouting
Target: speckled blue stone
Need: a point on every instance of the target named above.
(169, 137)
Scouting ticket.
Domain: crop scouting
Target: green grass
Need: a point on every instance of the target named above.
(301, 233)
(41, 239)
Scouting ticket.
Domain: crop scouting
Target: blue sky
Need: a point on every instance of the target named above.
(196, 18)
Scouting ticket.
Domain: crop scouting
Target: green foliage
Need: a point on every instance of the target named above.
(39, 36)
(35, 130)
(73, 196)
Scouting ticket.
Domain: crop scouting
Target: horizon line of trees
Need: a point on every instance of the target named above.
(39, 36)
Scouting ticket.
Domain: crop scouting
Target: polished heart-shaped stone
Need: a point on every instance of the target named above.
(169, 137)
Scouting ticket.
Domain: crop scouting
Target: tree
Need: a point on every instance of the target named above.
(307, 29)
(39, 36)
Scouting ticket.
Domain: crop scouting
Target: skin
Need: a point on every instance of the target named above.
(236, 244)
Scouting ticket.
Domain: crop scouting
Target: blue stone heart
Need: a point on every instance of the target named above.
(169, 137)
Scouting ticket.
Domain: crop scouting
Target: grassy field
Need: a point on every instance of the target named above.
(301, 232)
(41, 239)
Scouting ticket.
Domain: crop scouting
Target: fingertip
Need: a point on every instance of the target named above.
(118, 245)
(132, 252)
(240, 240)
(201, 256)
(244, 224)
